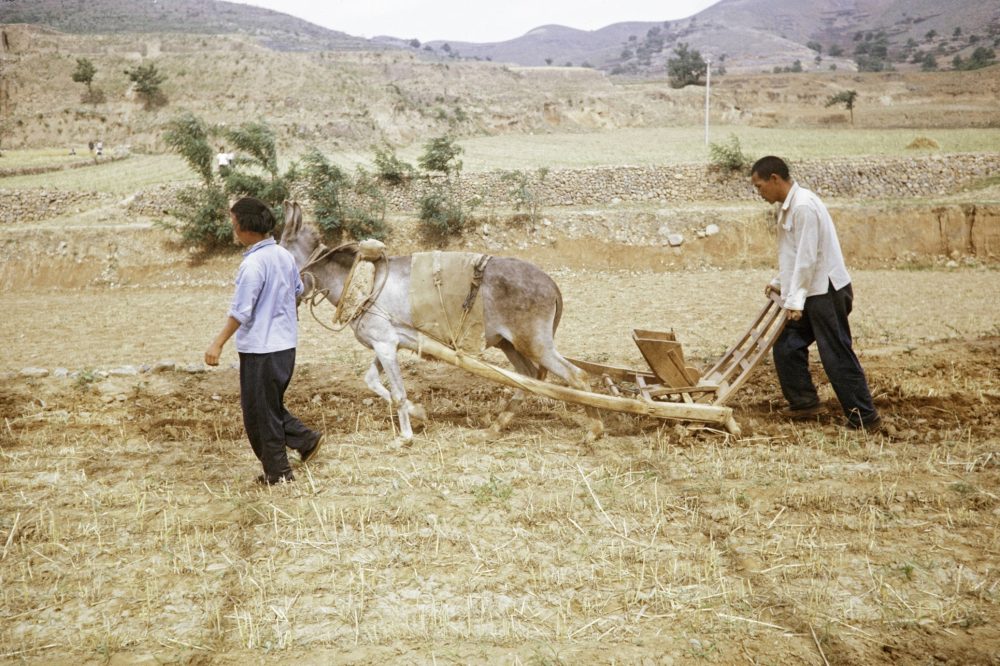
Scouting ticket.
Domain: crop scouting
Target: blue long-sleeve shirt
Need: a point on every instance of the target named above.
(267, 283)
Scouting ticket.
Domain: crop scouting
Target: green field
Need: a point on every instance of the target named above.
(123, 176)
(635, 147)
(671, 145)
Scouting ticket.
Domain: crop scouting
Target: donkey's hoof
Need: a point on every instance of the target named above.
(398, 443)
(417, 412)
(592, 435)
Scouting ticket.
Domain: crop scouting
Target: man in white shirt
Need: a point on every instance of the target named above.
(816, 290)
(224, 161)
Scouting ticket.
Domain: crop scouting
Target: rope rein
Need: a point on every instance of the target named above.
(313, 296)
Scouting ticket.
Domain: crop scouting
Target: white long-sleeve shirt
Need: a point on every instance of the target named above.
(809, 256)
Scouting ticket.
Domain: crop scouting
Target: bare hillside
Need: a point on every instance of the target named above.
(339, 100)
(274, 29)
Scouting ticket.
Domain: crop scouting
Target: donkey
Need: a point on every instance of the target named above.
(521, 309)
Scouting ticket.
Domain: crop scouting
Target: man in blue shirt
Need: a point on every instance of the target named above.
(263, 317)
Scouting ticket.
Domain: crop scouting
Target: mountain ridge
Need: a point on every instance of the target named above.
(739, 35)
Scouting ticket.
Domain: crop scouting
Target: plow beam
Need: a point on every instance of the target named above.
(702, 413)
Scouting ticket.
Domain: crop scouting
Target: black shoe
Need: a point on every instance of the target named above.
(872, 427)
(266, 480)
(309, 454)
(803, 413)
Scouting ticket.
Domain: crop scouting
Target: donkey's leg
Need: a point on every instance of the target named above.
(373, 380)
(385, 353)
(525, 367)
(551, 360)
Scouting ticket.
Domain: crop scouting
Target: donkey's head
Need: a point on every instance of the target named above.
(296, 237)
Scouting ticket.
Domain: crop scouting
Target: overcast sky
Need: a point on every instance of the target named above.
(474, 20)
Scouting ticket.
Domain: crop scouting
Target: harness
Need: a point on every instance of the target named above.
(371, 251)
(374, 252)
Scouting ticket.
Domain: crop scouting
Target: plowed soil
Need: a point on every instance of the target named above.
(131, 529)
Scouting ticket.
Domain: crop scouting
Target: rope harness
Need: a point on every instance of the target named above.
(372, 252)
(457, 334)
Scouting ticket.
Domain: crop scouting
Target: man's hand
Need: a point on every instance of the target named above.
(771, 289)
(213, 353)
(214, 350)
(795, 315)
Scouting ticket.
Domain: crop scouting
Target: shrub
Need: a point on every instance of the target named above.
(728, 155)
(525, 191)
(257, 151)
(203, 217)
(365, 216)
(441, 214)
(923, 142)
(187, 135)
(390, 169)
(324, 183)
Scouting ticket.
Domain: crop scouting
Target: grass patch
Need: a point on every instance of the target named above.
(677, 145)
(118, 177)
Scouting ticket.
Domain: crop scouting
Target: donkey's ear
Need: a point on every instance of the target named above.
(289, 209)
(293, 217)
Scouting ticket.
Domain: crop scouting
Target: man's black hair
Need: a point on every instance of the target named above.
(766, 166)
(254, 215)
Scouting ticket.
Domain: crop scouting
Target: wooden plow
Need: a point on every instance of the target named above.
(669, 389)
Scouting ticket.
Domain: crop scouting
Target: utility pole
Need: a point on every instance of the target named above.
(708, 88)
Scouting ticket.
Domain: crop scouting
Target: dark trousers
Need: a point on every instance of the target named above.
(270, 427)
(824, 321)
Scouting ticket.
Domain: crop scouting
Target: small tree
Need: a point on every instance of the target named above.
(201, 210)
(845, 97)
(84, 73)
(441, 210)
(441, 155)
(255, 170)
(686, 67)
(147, 80)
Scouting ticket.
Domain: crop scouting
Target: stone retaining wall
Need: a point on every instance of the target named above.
(34, 205)
(866, 178)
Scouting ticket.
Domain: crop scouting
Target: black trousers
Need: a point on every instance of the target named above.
(824, 321)
(270, 427)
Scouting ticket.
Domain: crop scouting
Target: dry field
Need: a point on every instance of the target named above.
(131, 531)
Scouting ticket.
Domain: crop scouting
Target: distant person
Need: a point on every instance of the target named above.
(99, 149)
(263, 317)
(224, 160)
(816, 291)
